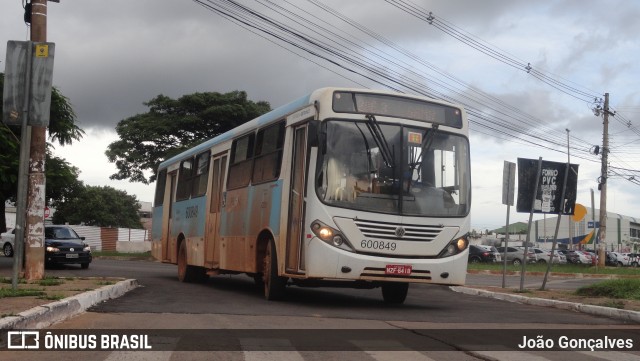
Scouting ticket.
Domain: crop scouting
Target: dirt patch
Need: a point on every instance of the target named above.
(569, 296)
(47, 291)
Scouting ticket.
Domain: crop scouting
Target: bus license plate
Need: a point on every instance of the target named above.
(398, 269)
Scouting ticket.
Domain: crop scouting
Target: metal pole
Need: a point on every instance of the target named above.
(569, 232)
(506, 244)
(526, 245)
(593, 219)
(555, 236)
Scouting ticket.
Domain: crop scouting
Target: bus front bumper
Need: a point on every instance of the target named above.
(327, 262)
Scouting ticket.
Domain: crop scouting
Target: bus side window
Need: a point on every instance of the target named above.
(184, 180)
(268, 159)
(241, 162)
(201, 175)
(160, 185)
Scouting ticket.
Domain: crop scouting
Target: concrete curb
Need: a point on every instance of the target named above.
(46, 315)
(623, 315)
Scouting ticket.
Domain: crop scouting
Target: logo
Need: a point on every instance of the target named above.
(400, 232)
(23, 340)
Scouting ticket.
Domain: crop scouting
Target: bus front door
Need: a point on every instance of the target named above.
(212, 238)
(294, 262)
(167, 220)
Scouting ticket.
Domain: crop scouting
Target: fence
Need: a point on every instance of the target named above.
(115, 239)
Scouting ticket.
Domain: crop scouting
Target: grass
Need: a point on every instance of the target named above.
(628, 289)
(24, 292)
(50, 281)
(560, 268)
(51, 297)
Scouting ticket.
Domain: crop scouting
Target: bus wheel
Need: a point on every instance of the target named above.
(274, 285)
(187, 273)
(394, 292)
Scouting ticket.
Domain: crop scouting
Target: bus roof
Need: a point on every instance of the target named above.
(260, 121)
(272, 116)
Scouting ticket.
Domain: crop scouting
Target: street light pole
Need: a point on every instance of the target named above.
(569, 233)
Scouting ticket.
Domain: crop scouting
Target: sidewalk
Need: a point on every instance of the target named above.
(609, 312)
(50, 313)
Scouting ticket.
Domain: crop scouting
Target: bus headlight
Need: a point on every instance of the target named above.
(454, 247)
(329, 234)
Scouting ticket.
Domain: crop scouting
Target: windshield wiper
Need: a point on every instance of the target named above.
(380, 140)
(425, 146)
(370, 167)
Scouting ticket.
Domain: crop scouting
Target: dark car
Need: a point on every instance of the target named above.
(478, 254)
(64, 246)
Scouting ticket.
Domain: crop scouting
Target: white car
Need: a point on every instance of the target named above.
(543, 256)
(621, 258)
(7, 239)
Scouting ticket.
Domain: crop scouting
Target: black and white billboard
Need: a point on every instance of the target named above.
(549, 191)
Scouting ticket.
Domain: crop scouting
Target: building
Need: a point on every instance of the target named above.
(623, 232)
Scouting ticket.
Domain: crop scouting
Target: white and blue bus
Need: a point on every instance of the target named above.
(341, 188)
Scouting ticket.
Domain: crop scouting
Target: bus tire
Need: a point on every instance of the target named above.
(187, 273)
(274, 285)
(394, 292)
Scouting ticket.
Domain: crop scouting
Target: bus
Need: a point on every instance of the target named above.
(340, 188)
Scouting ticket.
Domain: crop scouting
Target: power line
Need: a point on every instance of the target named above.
(309, 36)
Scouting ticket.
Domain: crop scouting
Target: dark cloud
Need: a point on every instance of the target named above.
(112, 56)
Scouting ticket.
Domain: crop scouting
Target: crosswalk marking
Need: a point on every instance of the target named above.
(401, 354)
(288, 353)
(139, 356)
(612, 355)
(146, 355)
(510, 355)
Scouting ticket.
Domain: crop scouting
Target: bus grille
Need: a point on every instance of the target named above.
(397, 231)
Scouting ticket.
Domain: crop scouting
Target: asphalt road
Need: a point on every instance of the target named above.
(237, 295)
(234, 302)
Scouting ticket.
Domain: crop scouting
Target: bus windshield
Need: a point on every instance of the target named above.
(428, 173)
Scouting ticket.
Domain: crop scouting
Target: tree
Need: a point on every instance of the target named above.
(171, 126)
(62, 130)
(101, 207)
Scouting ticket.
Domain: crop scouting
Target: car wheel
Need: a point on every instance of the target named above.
(274, 285)
(634, 264)
(84, 265)
(7, 250)
(619, 264)
(474, 260)
(517, 262)
(542, 261)
(394, 292)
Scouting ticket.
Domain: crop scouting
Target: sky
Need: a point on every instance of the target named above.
(112, 56)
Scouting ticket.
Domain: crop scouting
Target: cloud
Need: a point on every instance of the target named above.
(112, 56)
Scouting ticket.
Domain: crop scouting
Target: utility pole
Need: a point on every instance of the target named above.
(34, 231)
(603, 183)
